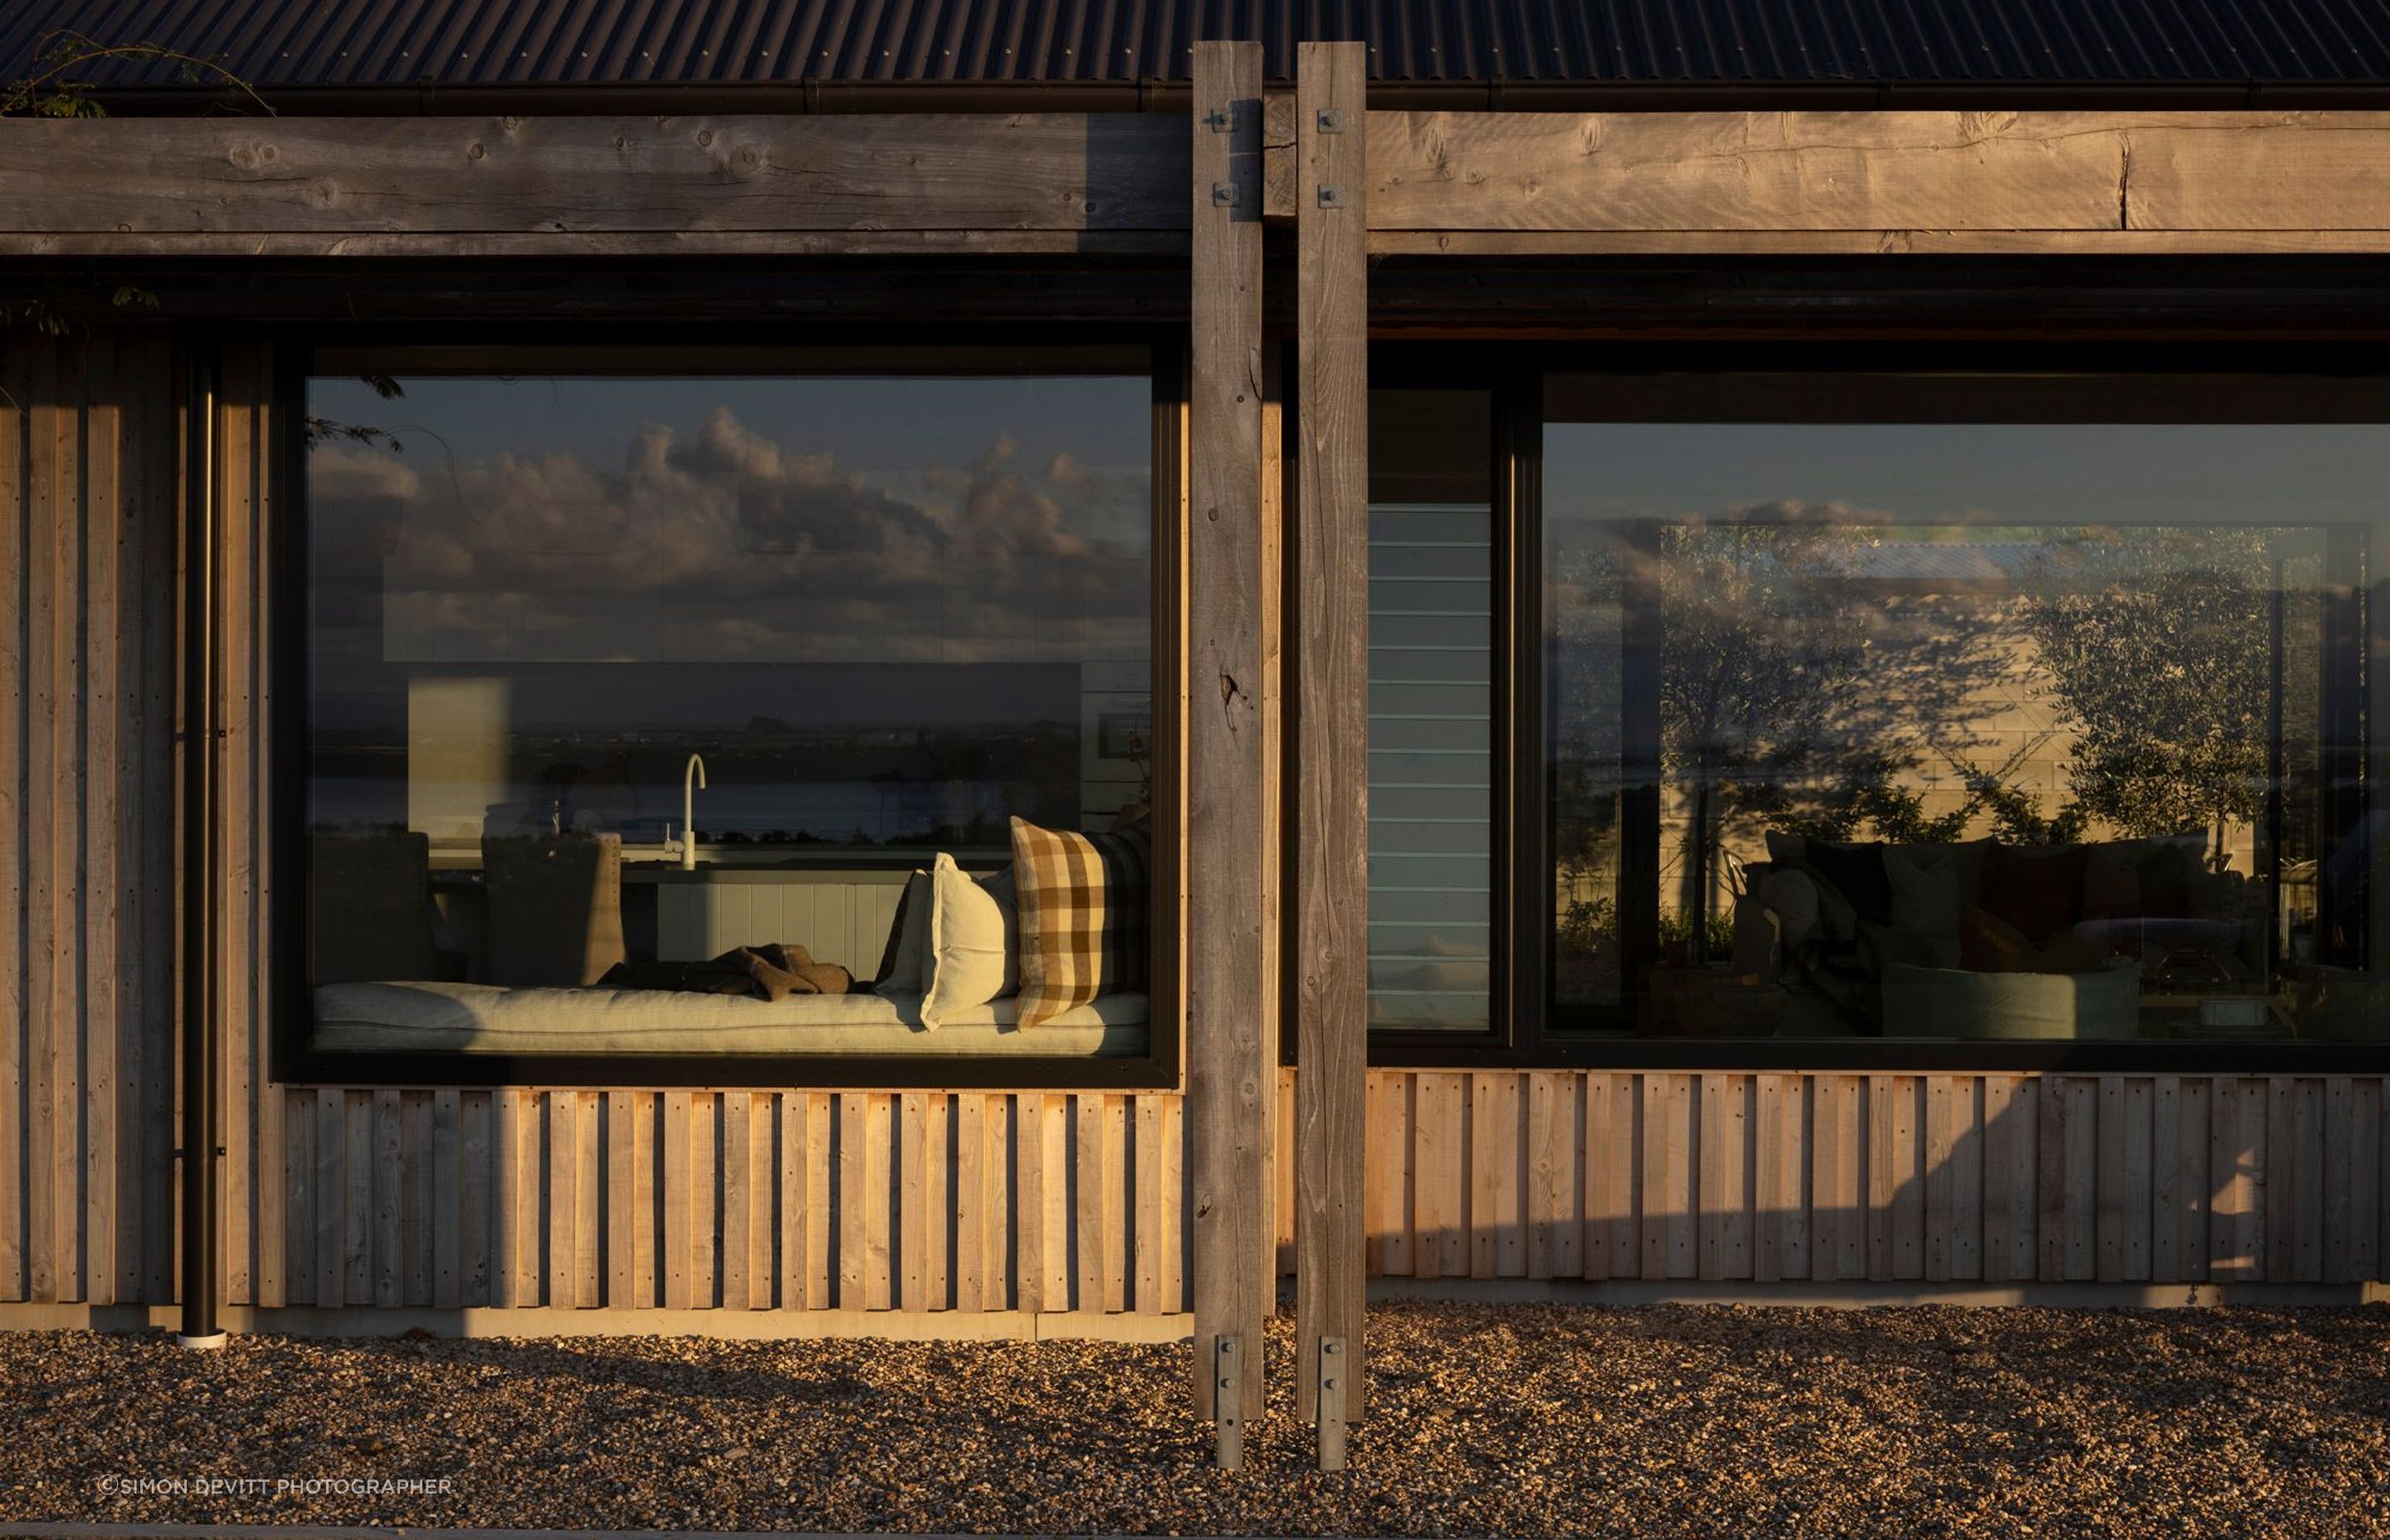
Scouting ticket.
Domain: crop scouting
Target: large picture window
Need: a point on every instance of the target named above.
(678, 709)
(1951, 708)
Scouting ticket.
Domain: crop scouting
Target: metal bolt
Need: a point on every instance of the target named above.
(1331, 119)
(1331, 196)
(1224, 195)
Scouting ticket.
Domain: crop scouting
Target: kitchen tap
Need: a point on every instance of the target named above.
(693, 779)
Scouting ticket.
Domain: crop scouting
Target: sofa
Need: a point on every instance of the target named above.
(1980, 939)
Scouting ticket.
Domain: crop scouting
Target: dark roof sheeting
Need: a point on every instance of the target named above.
(489, 43)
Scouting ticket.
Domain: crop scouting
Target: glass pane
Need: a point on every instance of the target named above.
(1935, 729)
(1431, 711)
(725, 659)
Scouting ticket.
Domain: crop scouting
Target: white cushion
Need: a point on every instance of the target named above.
(973, 941)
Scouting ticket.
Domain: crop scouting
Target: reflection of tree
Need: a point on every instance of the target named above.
(2157, 644)
(1796, 694)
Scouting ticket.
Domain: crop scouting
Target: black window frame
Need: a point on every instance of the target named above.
(1525, 1032)
(284, 571)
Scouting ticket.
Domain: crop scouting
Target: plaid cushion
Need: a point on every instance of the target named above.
(1083, 913)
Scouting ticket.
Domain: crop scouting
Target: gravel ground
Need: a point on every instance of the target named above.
(1489, 1420)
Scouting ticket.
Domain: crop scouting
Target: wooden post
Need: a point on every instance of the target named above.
(1230, 1044)
(1332, 566)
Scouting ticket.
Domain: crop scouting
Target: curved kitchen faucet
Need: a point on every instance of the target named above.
(692, 779)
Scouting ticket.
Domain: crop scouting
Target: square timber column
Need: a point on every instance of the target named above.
(1231, 1021)
(1333, 659)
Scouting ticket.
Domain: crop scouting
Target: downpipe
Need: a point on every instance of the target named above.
(200, 1151)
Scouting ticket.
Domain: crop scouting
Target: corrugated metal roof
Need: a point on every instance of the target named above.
(317, 43)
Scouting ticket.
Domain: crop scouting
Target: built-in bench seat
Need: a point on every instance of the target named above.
(433, 1017)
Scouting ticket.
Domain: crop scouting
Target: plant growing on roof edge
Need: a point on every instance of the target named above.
(52, 88)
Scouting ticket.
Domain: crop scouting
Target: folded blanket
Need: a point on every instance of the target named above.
(770, 973)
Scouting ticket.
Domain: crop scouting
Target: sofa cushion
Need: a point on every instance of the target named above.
(1082, 903)
(973, 955)
(1990, 945)
(1927, 894)
(1857, 872)
(2036, 888)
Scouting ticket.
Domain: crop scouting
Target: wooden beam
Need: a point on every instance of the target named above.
(1523, 184)
(1332, 563)
(1230, 1049)
(138, 176)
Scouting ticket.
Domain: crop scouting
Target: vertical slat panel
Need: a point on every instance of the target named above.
(241, 484)
(1496, 1240)
(1113, 1231)
(563, 1199)
(2193, 1190)
(977, 1273)
(879, 1216)
(2049, 1180)
(1941, 1175)
(805, 1201)
(1907, 1155)
(937, 1175)
(738, 1181)
(2278, 1190)
(1966, 1178)
(1054, 1137)
(1670, 1241)
(2139, 1187)
(387, 1242)
(1999, 1179)
(520, 1158)
(15, 493)
(622, 1247)
(1230, 1057)
(298, 1116)
(761, 1172)
(2108, 1180)
(160, 1069)
(1787, 1155)
(99, 1116)
(47, 510)
(1281, 1260)
(1440, 1240)
(1391, 1170)
(1776, 1186)
(141, 1023)
(913, 1202)
(1552, 1164)
(2165, 1178)
(2228, 1182)
(1177, 1255)
(2361, 1216)
(680, 1202)
(65, 829)
(1838, 1214)
(2335, 1178)
(331, 1196)
(1722, 1194)
(705, 1181)
(1029, 1202)
(1150, 1237)
(447, 1227)
(2080, 1183)
(2309, 1176)
(1883, 1178)
(415, 1159)
(473, 1205)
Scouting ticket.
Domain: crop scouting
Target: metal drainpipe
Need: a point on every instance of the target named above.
(200, 861)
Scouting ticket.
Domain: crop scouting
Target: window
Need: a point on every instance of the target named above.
(638, 695)
(1431, 728)
(1959, 708)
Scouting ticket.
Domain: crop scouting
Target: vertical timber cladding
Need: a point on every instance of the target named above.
(1824, 1178)
(1332, 280)
(87, 615)
(1231, 1047)
(918, 1202)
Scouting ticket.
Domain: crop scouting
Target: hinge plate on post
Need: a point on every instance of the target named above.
(1333, 1369)
(1228, 1401)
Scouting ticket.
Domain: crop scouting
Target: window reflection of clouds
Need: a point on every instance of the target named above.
(1016, 530)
